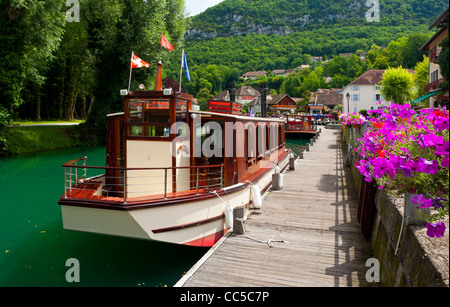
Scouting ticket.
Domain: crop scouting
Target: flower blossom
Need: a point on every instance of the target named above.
(435, 230)
(421, 201)
(443, 149)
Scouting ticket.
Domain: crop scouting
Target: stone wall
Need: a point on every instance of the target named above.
(408, 258)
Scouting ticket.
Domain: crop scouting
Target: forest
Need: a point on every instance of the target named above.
(68, 59)
(57, 67)
(283, 17)
(213, 66)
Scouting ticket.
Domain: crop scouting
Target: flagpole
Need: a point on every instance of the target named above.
(131, 69)
(181, 69)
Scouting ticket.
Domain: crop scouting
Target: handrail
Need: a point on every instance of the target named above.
(68, 164)
(121, 183)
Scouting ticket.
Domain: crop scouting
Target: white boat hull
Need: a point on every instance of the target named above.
(200, 222)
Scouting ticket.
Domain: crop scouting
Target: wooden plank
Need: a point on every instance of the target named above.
(315, 214)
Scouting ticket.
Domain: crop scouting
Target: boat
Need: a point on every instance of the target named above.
(173, 173)
(300, 125)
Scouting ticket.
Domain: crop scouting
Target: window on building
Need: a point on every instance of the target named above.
(355, 87)
(355, 97)
(434, 75)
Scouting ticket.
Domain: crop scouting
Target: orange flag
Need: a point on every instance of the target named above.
(136, 62)
(165, 43)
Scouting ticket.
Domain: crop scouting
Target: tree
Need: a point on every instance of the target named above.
(444, 63)
(115, 29)
(30, 33)
(411, 52)
(397, 85)
(421, 77)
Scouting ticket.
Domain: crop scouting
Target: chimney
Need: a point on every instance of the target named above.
(158, 82)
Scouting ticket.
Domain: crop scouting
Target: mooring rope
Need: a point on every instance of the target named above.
(268, 242)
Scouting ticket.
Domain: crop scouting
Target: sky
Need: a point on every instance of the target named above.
(194, 7)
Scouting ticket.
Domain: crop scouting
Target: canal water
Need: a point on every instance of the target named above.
(34, 247)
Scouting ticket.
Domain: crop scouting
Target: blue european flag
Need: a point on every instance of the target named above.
(185, 66)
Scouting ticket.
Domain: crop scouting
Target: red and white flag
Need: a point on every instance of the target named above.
(136, 62)
(165, 43)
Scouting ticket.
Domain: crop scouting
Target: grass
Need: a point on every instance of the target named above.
(23, 139)
(44, 122)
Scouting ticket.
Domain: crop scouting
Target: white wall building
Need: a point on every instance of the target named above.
(364, 92)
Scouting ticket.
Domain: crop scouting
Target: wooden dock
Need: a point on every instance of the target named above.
(315, 214)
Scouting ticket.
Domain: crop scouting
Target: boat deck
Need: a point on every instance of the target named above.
(315, 214)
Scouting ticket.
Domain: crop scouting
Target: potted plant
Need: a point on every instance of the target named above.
(408, 153)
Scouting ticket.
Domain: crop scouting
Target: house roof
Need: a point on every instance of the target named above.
(278, 71)
(271, 100)
(329, 99)
(247, 91)
(222, 95)
(425, 46)
(254, 74)
(327, 96)
(441, 19)
(369, 77)
(242, 91)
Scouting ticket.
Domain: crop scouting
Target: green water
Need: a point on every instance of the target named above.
(295, 142)
(34, 247)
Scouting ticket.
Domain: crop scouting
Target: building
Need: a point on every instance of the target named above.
(275, 104)
(283, 72)
(346, 54)
(434, 71)
(324, 100)
(363, 92)
(243, 95)
(281, 103)
(254, 75)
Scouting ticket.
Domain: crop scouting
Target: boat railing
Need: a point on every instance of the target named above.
(298, 127)
(100, 182)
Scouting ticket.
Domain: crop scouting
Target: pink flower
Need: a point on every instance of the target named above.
(441, 123)
(443, 149)
(435, 230)
(421, 201)
(428, 167)
(445, 162)
(429, 140)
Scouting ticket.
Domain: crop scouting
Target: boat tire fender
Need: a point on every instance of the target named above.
(256, 197)
(228, 217)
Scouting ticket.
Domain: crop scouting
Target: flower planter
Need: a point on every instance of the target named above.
(366, 207)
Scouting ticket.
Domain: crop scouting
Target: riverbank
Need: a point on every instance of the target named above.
(36, 138)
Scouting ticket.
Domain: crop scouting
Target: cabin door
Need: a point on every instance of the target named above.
(114, 155)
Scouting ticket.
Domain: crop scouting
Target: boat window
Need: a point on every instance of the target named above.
(157, 116)
(291, 118)
(134, 111)
(149, 130)
(250, 149)
(298, 119)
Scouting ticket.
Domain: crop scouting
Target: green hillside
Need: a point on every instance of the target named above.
(237, 36)
(284, 17)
